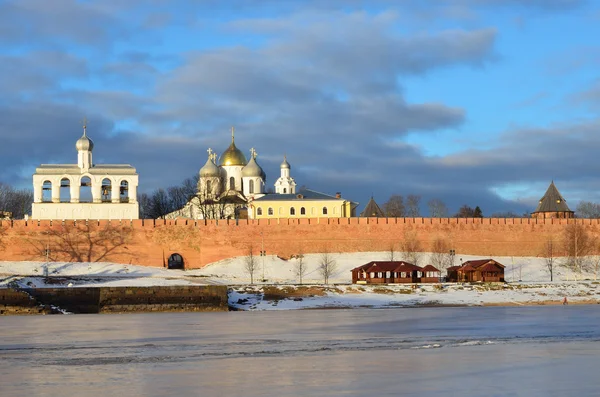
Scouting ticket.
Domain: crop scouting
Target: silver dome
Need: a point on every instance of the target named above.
(253, 169)
(209, 169)
(84, 143)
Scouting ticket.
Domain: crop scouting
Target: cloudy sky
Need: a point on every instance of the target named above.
(478, 102)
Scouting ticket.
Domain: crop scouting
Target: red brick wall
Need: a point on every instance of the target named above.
(202, 242)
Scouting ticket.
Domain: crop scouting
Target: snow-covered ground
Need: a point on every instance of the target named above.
(529, 282)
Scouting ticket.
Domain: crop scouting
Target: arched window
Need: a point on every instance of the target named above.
(47, 192)
(65, 190)
(270, 211)
(284, 190)
(259, 211)
(208, 187)
(302, 211)
(85, 190)
(251, 186)
(324, 210)
(232, 183)
(106, 190)
(292, 211)
(124, 192)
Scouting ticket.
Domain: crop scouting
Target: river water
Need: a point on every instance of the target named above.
(467, 351)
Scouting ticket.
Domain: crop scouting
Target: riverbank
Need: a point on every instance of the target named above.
(280, 293)
(288, 297)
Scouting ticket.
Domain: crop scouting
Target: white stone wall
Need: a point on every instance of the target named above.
(85, 211)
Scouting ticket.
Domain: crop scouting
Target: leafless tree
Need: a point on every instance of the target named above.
(394, 207)
(412, 205)
(577, 245)
(586, 209)
(250, 263)
(82, 242)
(327, 266)
(440, 254)
(391, 252)
(437, 208)
(300, 265)
(411, 246)
(550, 256)
(14, 203)
(506, 214)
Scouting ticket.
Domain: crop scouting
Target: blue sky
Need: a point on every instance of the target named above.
(477, 102)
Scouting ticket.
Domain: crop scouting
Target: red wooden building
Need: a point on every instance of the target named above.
(387, 272)
(485, 270)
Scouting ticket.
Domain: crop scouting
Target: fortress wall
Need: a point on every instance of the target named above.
(150, 242)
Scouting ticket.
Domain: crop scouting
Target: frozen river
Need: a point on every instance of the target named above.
(468, 351)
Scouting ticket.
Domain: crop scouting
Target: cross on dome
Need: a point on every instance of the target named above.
(253, 153)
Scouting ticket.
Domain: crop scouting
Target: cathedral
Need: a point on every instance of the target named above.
(231, 187)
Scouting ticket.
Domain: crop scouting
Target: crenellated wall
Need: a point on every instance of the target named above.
(150, 242)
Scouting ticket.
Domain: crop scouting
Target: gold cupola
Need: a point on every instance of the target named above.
(233, 155)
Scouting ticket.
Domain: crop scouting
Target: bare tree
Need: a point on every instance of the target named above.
(506, 214)
(82, 242)
(577, 245)
(437, 208)
(586, 209)
(411, 246)
(327, 266)
(14, 203)
(250, 263)
(394, 207)
(440, 254)
(391, 252)
(412, 205)
(550, 254)
(300, 265)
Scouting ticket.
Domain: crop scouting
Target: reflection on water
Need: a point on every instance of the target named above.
(495, 351)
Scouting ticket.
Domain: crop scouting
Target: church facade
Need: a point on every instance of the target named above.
(232, 187)
(85, 190)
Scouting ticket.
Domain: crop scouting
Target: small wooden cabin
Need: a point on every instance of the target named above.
(389, 272)
(484, 270)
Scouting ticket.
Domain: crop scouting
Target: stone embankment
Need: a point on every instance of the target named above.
(113, 299)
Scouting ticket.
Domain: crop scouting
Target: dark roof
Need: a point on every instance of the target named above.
(304, 194)
(552, 201)
(372, 210)
(479, 264)
(430, 268)
(387, 266)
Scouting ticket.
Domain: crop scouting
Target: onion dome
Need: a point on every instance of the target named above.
(253, 169)
(233, 155)
(84, 143)
(209, 169)
(285, 164)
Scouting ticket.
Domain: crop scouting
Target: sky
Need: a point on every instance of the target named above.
(476, 102)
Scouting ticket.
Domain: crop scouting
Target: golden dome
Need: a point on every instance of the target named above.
(232, 156)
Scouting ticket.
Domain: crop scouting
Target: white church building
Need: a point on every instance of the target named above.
(85, 190)
(228, 185)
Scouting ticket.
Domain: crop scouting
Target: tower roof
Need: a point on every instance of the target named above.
(84, 143)
(209, 169)
(233, 155)
(372, 210)
(252, 169)
(552, 201)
